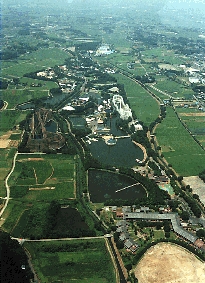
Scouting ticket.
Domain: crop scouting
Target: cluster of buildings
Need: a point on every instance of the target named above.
(104, 50)
(128, 213)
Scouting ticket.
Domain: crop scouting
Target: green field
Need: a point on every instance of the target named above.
(80, 261)
(178, 147)
(37, 60)
(48, 177)
(17, 96)
(194, 120)
(142, 103)
(6, 157)
(175, 89)
(162, 55)
(9, 119)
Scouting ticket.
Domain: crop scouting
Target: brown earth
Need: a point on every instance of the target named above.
(197, 185)
(4, 143)
(193, 114)
(168, 263)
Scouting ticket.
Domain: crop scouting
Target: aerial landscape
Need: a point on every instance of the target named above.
(102, 141)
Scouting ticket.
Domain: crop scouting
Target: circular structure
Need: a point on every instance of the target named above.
(168, 263)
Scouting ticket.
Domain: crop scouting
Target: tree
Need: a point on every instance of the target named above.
(185, 215)
(200, 233)
(179, 178)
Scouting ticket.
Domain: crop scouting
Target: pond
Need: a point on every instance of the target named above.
(51, 126)
(78, 121)
(123, 153)
(104, 185)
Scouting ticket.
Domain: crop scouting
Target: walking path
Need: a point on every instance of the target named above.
(7, 186)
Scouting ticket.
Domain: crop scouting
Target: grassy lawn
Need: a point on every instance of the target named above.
(142, 103)
(43, 177)
(79, 261)
(178, 147)
(158, 234)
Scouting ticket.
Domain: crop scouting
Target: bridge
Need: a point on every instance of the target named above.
(127, 187)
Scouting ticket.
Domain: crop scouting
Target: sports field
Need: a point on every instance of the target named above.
(43, 177)
(167, 263)
(81, 261)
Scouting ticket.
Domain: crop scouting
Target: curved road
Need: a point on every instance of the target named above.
(7, 186)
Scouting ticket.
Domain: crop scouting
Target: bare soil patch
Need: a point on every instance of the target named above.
(197, 185)
(41, 189)
(193, 114)
(35, 159)
(168, 263)
(13, 143)
(4, 143)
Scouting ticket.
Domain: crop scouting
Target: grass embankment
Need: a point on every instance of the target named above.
(81, 261)
(178, 147)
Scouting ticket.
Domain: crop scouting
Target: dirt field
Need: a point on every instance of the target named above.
(4, 143)
(167, 263)
(197, 185)
(193, 114)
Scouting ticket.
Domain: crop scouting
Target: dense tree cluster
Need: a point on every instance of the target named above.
(193, 204)
(3, 84)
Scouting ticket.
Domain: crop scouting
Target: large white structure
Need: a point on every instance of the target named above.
(122, 108)
(104, 50)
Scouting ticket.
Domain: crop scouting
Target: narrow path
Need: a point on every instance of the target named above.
(7, 186)
(127, 187)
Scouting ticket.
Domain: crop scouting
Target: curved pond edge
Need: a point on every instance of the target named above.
(143, 149)
(115, 172)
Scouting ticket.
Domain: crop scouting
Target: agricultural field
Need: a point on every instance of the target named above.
(179, 148)
(6, 157)
(18, 96)
(82, 261)
(142, 103)
(157, 265)
(43, 177)
(175, 89)
(162, 55)
(9, 119)
(160, 95)
(194, 120)
(35, 61)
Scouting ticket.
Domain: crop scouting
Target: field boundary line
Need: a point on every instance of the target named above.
(50, 174)
(113, 260)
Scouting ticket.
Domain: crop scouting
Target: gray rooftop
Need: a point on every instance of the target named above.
(173, 217)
